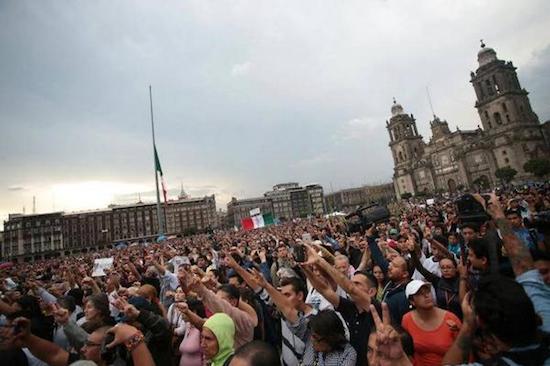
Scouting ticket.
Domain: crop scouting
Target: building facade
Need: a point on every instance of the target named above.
(350, 199)
(285, 201)
(31, 237)
(510, 134)
(280, 196)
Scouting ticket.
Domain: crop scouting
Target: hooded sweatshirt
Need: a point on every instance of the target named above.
(224, 329)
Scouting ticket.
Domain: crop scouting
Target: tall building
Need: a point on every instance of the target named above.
(350, 199)
(286, 201)
(31, 237)
(280, 196)
(511, 135)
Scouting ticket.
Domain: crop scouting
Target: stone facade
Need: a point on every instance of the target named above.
(510, 134)
(350, 199)
(38, 236)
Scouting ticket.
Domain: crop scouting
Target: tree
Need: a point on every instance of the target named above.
(481, 182)
(505, 174)
(538, 167)
(406, 195)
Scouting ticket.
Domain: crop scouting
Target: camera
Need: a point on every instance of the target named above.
(470, 210)
(363, 218)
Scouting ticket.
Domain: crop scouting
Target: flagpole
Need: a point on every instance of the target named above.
(159, 215)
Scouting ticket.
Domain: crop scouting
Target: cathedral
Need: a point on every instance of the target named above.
(510, 134)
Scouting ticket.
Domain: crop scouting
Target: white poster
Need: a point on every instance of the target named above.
(101, 264)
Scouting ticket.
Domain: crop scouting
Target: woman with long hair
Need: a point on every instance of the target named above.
(381, 281)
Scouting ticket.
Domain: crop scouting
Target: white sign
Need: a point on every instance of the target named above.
(430, 201)
(178, 261)
(255, 211)
(101, 264)
(10, 284)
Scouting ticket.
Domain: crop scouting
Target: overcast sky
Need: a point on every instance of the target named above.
(247, 94)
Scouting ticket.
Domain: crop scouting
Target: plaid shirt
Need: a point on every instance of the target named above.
(346, 357)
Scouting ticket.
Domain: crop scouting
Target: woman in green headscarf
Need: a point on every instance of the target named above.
(217, 338)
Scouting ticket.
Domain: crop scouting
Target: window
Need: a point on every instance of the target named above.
(506, 160)
(496, 84)
(489, 87)
(488, 119)
(503, 152)
(504, 108)
(497, 118)
(480, 88)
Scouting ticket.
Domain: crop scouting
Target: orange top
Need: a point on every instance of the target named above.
(431, 346)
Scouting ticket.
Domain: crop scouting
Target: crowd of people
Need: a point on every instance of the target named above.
(431, 285)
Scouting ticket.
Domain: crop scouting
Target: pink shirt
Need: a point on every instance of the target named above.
(190, 347)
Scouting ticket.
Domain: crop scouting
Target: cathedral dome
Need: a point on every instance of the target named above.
(486, 55)
(396, 108)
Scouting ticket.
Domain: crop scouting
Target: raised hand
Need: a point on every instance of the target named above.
(257, 278)
(122, 333)
(230, 261)
(182, 307)
(263, 255)
(492, 206)
(389, 349)
(312, 256)
(61, 315)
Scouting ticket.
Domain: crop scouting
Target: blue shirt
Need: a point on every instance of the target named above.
(539, 293)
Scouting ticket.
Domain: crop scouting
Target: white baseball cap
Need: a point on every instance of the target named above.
(414, 286)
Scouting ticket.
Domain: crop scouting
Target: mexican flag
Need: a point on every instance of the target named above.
(158, 169)
(257, 221)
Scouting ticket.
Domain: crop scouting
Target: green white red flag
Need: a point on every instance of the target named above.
(257, 221)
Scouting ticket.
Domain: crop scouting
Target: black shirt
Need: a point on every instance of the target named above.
(360, 325)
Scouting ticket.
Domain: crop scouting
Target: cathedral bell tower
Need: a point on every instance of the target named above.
(501, 101)
(512, 127)
(407, 147)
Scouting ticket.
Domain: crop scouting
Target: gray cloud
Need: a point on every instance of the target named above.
(247, 94)
(15, 188)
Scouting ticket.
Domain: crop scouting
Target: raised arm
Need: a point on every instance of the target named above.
(361, 298)
(460, 351)
(126, 334)
(321, 286)
(190, 316)
(441, 247)
(245, 275)
(519, 254)
(376, 253)
(283, 304)
(42, 349)
(415, 251)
